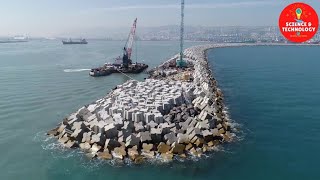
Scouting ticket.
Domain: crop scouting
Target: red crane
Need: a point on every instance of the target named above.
(127, 50)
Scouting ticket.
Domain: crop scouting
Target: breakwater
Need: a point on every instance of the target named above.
(175, 112)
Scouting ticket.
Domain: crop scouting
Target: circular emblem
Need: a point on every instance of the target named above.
(298, 22)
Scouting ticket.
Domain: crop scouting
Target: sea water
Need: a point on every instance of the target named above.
(273, 94)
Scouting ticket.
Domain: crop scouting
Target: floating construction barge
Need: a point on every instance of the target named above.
(107, 69)
(124, 64)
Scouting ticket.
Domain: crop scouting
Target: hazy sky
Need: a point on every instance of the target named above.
(58, 17)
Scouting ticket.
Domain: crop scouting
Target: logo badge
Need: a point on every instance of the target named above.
(298, 22)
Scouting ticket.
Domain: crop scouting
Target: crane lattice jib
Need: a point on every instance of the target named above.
(130, 40)
(182, 30)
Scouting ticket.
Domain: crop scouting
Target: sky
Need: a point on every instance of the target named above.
(48, 18)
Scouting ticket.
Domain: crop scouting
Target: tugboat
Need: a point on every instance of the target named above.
(124, 64)
(81, 41)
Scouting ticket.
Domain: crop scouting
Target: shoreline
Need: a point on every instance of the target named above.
(172, 113)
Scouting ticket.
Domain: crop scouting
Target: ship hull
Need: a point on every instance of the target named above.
(69, 43)
(134, 69)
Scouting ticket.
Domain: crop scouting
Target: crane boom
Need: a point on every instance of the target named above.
(129, 44)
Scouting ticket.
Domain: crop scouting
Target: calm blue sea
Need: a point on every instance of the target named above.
(273, 93)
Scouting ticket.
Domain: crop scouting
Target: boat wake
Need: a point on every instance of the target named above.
(75, 70)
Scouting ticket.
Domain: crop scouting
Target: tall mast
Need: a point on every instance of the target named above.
(181, 30)
(180, 62)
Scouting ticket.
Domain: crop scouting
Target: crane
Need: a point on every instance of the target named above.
(180, 63)
(127, 50)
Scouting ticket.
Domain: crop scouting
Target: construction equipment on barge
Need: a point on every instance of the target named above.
(124, 64)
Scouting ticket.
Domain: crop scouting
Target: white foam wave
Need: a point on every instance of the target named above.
(75, 70)
(59, 151)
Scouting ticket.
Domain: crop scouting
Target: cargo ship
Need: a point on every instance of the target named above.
(70, 41)
(124, 64)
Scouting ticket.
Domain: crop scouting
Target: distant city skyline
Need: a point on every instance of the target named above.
(48, 18)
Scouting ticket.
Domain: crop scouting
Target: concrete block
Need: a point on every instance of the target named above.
(183, 138)
(86, 137)
(128, 125)
(159, 107)
(125, 134)
(149, 117)
(53, 132)
(227, 136)
(166, 107)
(199, 142)
(177, 148)
(83, 111)
(188, 147)
(193, 122)
(98, 139)
(203, 125)
(204, 115)
(163, 148)
(226, 126)
(139, 127)
(90, 118)
(61, 128)
(77, 135)
(221, 131)
(103, 114)
(119, 153)
(92, 107)
(144, 136)
(158, 118)
(207, 135)
(85, 146)
(167, 157)
(110, 144)
(149, 154)
(113, 110)
(133, 153)
(147, 147)
(111, 131)
(129, 114)
(119, 123)
(104, 155)
(213, 143)
(64, 139)
(156, 135)
(132, 140)
(170, 138)
(184, 126)
(215, 132)
(138, 117)
(165, 127)
(95, 148)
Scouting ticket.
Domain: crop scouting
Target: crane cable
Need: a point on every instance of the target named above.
(126, 75)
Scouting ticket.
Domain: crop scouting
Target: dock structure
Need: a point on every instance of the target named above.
(174, 112)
